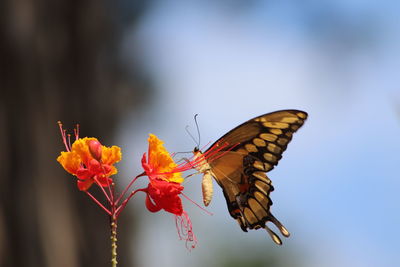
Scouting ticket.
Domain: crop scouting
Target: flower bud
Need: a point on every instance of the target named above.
(95, 149)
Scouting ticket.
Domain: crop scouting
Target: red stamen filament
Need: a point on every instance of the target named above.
(211, 158)
(206, 211)
(76, 132)
(207, 157)
(69, 141)
(63, 136)
(184, 229)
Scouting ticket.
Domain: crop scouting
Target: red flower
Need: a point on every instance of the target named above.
(164, 195)
(89, 161)
(164, 188)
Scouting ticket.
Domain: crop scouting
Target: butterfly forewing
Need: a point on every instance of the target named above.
(254, 148)
(265, 137)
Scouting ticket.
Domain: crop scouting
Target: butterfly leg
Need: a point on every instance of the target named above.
(192, 174)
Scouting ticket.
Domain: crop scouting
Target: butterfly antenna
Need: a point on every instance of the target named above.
(190, 134)
(198, 130)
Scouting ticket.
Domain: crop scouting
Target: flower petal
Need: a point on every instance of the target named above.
(146, 166)
(166, 195)
(104, 181)
(71, 161)
(84, 174)
(94, 166)
(111, 155)
(161, 161)
(85, 185)
(113, 170)
(173, 204)
(151, 206)
(81, 147)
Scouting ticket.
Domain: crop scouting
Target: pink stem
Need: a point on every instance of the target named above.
(125, 202)
(98, 203)
(104, 191)
(111, 192)
(127, 188)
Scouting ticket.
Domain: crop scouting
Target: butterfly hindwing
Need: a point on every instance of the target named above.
(254, 148)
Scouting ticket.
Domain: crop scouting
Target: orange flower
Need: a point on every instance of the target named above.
(90, 162)
(160, 164)
(165, 187)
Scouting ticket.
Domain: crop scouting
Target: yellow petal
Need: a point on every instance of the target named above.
(111, 155)
(81, 147)
(176, 178)
(113, 171)
(161, 161)
(71, 161)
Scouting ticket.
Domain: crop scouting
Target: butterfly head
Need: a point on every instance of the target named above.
(197, 152)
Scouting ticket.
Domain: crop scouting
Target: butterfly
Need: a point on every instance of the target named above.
(239, 160)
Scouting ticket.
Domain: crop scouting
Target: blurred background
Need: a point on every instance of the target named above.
(126, 68)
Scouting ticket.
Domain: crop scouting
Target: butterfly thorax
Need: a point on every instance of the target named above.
(202, 164)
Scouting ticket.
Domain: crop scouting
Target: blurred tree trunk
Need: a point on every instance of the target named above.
(57, 62)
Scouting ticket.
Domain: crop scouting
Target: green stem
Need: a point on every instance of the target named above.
(114, 241)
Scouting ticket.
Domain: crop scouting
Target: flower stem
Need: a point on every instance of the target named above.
(125, 202)
(98, 203)
(104, 191)
(114, 241)
(127, 188)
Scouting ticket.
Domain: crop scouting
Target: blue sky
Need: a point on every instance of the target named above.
(337, 184)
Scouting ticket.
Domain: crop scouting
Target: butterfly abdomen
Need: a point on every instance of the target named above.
(207, 188)
(206, 184)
